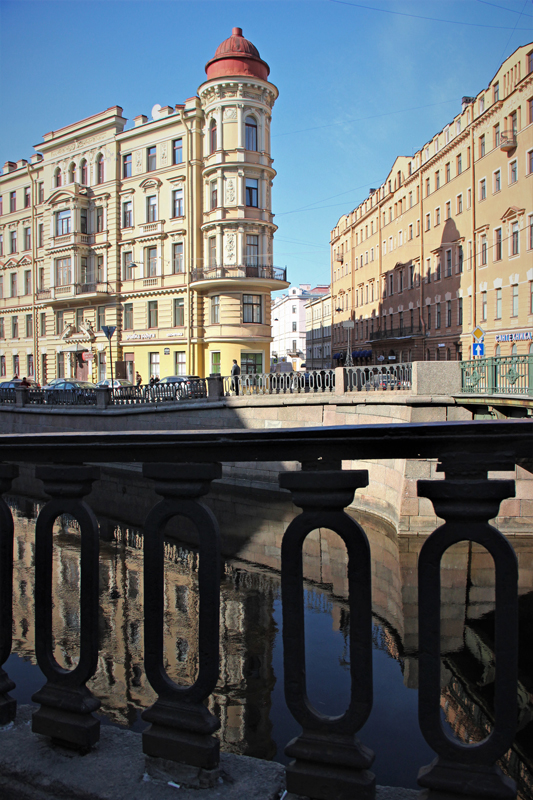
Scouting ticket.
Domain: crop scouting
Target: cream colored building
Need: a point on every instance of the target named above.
(445, 244)
(163, 231)
(318, 332)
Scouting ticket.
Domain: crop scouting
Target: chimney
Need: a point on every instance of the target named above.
(141, 119)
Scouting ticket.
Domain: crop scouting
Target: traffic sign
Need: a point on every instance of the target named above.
(478, 333)
(478, 349)
(109, 330)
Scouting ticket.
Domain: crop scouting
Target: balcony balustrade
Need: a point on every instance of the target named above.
(238, 272)
(329, 761)
(508, 141)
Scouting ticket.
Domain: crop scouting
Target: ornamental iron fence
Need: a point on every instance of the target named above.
(498, 375)
(329, 761)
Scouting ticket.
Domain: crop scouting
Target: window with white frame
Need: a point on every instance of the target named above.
(178, 265)
(250, 129)
(63, 272)
(127, 265)
(483, 243)
(498, 244)
(150, 264)
(179, 312)
(482, 189)
(252, 308)
(63, 223)
(177, 203)
(252, 250)
(179, 363)
(151, 208)
(215, 310)
(513, 171)
(497, 181)
(515, 240)
(514, 300)
(252, 192)
(127, 214)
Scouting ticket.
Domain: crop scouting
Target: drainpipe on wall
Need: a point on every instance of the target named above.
(192, 217)
(36, 365)
(474, 260)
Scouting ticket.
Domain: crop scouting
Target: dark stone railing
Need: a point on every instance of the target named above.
(329, 760)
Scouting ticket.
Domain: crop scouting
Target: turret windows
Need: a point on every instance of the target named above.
(252, 310)
(252, 251)
(72, 173)
(57, 177)
(250, 128)
(83, 173)
(252, 192)
(213, 137)
(100, 169)
(215, 310)
(213, 195)
(212, 251)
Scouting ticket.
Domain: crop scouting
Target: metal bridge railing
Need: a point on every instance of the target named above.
(498, 375)
(328, 760)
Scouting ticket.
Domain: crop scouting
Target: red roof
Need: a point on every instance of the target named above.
(237, 56)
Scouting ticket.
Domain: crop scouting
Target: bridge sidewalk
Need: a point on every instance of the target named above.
(33, 769)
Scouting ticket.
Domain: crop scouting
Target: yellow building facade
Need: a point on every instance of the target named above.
(445, 244)
(163, 231)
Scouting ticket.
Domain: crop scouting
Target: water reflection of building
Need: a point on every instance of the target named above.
(242, 698)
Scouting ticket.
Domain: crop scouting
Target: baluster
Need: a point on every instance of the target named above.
(66, 703)
(330, 762)
(181, 725)
(8, 706)
(466, 500)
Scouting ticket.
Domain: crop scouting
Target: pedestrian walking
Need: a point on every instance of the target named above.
(138, 379)
(235, 372)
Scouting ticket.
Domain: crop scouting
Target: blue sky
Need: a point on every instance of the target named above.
(360, 83)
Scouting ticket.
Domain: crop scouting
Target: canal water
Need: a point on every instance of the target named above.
(249, 699)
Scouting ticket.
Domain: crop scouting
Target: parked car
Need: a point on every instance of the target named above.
(117, 383)
(15, 383)
(60, 390)
(192, 385)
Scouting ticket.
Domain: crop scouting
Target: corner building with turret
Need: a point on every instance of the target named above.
(163, 230)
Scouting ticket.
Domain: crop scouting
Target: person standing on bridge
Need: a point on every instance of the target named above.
(235, 372)
(138, 378)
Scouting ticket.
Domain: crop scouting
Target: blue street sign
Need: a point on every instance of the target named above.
(109, 330)
(478, 349)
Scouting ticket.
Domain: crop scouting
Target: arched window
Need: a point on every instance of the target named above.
(100, 169)
(250, 129)
(213, 136)
(514, 350)
(498, 351)
(57, 177)
(83, 173)
(72, 173)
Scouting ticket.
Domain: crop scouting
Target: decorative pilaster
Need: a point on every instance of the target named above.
(66, 703)
(466, 500)
(330, 762)
(8, 706)
(181, 726)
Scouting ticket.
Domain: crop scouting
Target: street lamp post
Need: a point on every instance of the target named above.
(349, 324)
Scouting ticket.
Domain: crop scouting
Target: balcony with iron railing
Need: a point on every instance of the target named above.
(328, 761)
(239, 272)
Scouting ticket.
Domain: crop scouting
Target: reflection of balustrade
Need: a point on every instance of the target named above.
(330, 761)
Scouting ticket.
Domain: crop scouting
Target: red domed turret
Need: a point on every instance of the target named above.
(237, 56)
